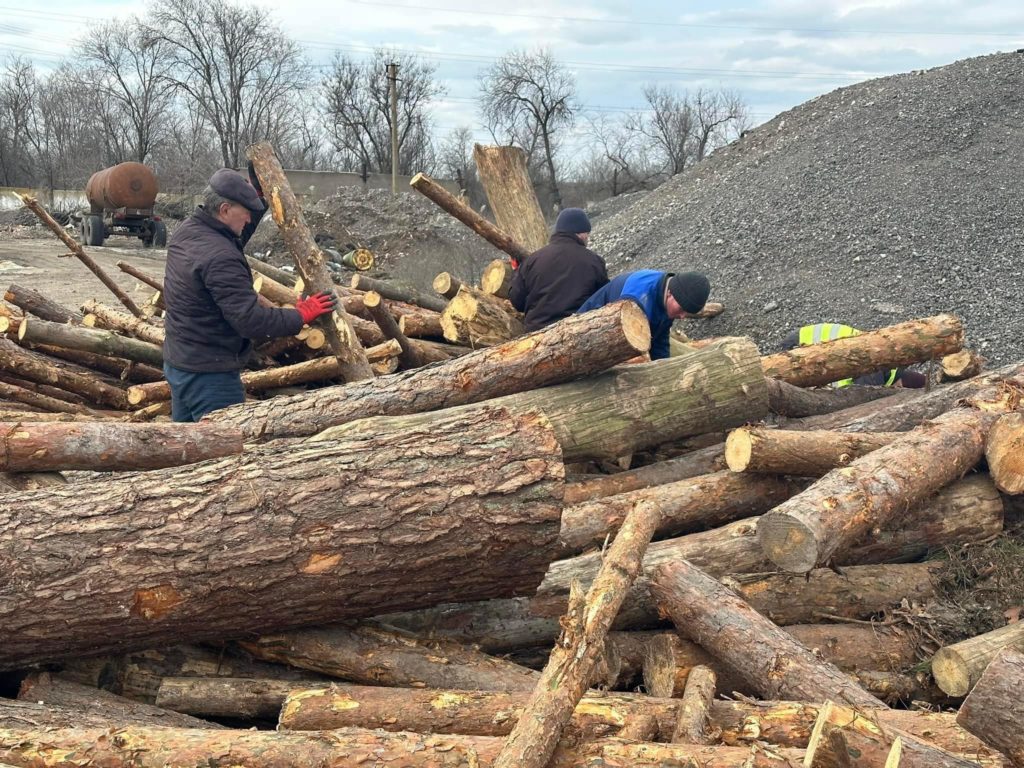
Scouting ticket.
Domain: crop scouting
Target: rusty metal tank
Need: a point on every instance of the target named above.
(125, 185)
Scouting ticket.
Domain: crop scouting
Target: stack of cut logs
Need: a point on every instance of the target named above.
(533, 553)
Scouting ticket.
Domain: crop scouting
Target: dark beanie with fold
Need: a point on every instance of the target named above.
(573, 221)
(691, 290)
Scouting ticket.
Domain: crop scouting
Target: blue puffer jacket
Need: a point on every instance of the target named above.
(647, 288)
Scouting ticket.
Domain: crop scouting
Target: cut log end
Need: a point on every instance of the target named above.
(443, 283)
(738, 449)
(1004, 451)
(951, 673)
(23, 328)
(787, 542)
(371, 299)
(635, 327)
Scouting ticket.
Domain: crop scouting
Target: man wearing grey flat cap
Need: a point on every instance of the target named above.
(212, 313)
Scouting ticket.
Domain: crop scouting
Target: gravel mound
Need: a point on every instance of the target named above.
(891, 199)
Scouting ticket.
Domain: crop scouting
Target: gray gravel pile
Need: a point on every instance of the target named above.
(411, 238)
(895, 198)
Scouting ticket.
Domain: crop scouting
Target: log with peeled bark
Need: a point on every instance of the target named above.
(579, 346)
(970, 510)
(994, 709)
(476, 319)
(112, 446)
(770, 659)
(142, 276)
(35, 303)
(398, 291)
(378, 309)
(45, 688)
(863, 742)
(37, 367)
(446, 284)
(958, 667)
(961, 365)
(696, 503)
(287, 214)
(374, 656)
(848, 503)
(496, 279)
(633, 407)
(902, 344)
(1004, 453)
(694, 723)
(506, 179)
(97, 314)
(445, 200)
(796, 402)
(566, 676)
(293, 534)
(87, 339)
(810, 453)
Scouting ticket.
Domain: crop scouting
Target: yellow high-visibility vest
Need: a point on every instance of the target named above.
(819, 332)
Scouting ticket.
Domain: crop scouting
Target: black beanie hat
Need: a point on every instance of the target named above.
(691, 290)
(572, 220)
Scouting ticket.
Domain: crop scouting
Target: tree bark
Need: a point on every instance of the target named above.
(687, 505)
(44, 688)
(292, 535)
(625, 755)
(375, 656)
(1004, 452)
(141, 276)
(87, 339)
(957, 668)
(111, 319)
(32, 395)
(238, 697)
(36, 367)
(476, 319)
(309, 259)
(119, 369)
(506, 180)
(961, 365)
(805, 454)
(578, 346)
(444, 199)
(567, 675)
(33, 302)
(994, 710)
(399, 292)
(421, 324)
(496, 279)
(845, 505)
(694, 723)
(773, 662)
(795, 402)
(389, 327)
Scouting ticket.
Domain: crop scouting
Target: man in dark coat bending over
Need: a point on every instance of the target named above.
(553, 282)
(212, 312)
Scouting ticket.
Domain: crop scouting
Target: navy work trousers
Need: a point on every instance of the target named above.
(193, 395)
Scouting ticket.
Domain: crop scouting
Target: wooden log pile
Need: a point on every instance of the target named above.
(449, 565)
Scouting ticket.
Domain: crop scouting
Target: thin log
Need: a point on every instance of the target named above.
(397, 547)
(795, 402)
(36, 367)
(704, 461)
(994, 710)
(506, 179)
(389, 327)
(776, 664)
(1004, 453)
(118, 368)
(95, 340)
(957, 668)
(496, 279)
(444, 199)
(477, 320)
(282, 276)
(142, 276)
(375, 656)
(902, 344)
(9, 414)
(421, 324)
(79, 253)
(848, 503)
(275, 292)
(806, 454)
(566, 677)
(43, 389)
(118, 321)
(397, 291)
(29, 396)
(33, 302)
(309, 259)
(693, 725)
(446, 284)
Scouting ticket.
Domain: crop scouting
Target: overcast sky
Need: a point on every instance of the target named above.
(776, 53)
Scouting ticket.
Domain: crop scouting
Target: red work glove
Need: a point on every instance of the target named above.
(313, 306)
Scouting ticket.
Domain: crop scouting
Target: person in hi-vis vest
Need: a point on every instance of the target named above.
(819, 332)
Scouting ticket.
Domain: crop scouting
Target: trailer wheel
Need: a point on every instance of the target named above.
(159, 234)
(95, 231)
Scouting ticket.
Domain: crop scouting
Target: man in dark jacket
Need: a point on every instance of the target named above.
(553, 282)
(663, 296)
(212, 312)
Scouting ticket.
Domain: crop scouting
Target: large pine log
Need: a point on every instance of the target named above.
(33, 302)
(807, 454)
(292, 535)
(578, 346)
(107, 447)
(397, 291)
(287, 213)
(632, 407)
(444, 199)
(37, 367)
(1004, 453)
(912, 342)
(567, 674)
(374, 656)
(795, 402)
(109, 318)
(477, 319)
(506, 180)
(958, 667)
(776, 664)
(994, 711)
(87, 339)
(848, 503)
(687, 505)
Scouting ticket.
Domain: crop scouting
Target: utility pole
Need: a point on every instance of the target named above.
(393, 88)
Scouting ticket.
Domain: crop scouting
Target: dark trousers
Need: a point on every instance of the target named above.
(193, 395)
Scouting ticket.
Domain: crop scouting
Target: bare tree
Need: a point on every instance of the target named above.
(455, 161)
(715, 114)
(668, 125)
(357, 102)
(528, 95)
(237, 66)
(619, 155)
